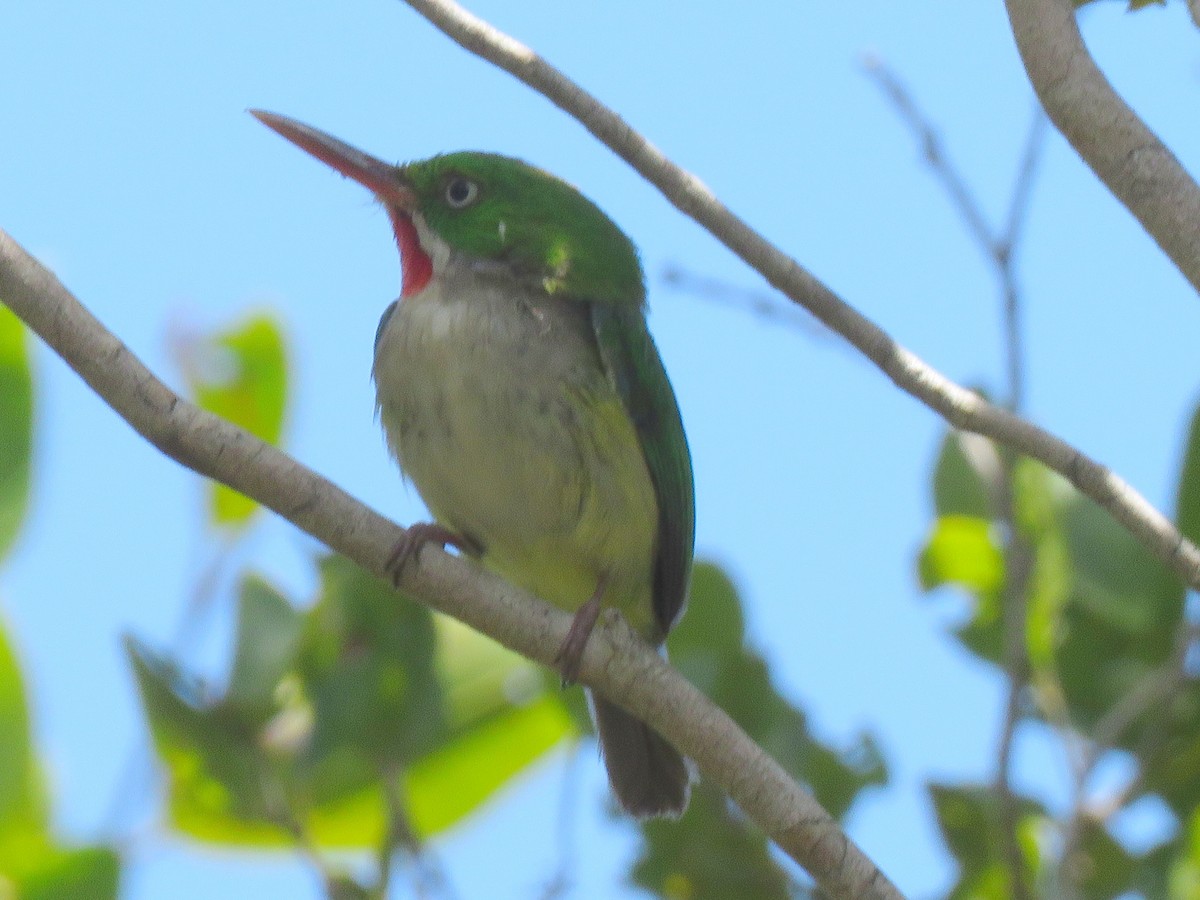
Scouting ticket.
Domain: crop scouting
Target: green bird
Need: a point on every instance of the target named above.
(523, 396)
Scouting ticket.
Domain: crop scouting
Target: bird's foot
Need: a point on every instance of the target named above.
(570, 652)
(417, 536)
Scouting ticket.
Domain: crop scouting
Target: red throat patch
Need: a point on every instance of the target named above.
(416, 268)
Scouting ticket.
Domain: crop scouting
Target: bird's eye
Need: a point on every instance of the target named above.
(461, 192)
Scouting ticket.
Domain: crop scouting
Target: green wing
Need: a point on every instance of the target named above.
(634, 366)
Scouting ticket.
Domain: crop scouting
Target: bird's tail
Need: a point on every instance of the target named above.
(647, 774)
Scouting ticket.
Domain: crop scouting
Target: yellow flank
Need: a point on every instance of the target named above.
(614, 529)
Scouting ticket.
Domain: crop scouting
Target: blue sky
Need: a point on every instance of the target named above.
(128, 164)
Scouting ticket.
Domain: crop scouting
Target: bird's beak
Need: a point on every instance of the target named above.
(382, 179)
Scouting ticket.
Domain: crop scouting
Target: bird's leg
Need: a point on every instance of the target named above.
(570, 652)
(417, 536)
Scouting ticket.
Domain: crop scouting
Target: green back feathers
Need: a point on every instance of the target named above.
(538, 224)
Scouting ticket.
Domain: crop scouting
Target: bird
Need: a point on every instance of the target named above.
(524, 398)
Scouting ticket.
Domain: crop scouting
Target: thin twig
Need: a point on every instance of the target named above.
(1005, 249)
(1018, 565)
(765, 306)
(999, 248)
(560, 884)
(960, 407)
(1022, 193)
(616, 662)
(931, 148)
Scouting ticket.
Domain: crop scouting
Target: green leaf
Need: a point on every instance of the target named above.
(1102, 868)
(24, 816)
(1167, 739)
(91, 873)
(329, 708)
(965, 476)
(241, 374)
(16, 424)
(268, 633)
(367, 661)
(708, 648)
(962, 551)
(1187, 496)
(1184, 873)
(970, 821)
(1119, 623)
(1116, 577)
(711, 853)
(221, 785)
(457, 778)
(32, 865)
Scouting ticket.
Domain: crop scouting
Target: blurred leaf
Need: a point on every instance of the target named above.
(268, 632)
(86, 874)
(16, 424)
(1118, 625)
(481, 678)
(1038, 496)
(23, 809)
(32, 865)
(711, 853)
(962, 551)
(220, 785)
(367, 663)
(1168, 747)
(241, 375)
(707, 648)
(965, 467)
(1184, 874)
(1100, 867)
(969, 819)
(323, 705)
(1118, 579)
(1187, 496)
(457, 778)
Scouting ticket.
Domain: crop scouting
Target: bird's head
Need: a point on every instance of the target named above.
(481, 207)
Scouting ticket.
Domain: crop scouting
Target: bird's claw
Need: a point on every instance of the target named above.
(570, 652)
(414, 538)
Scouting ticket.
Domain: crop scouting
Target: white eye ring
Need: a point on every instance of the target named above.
(461, 192)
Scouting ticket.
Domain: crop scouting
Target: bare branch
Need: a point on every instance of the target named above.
(1129, 158)
(1000, 248)
(935, 155)
(1018, 204)
(962, 408)
(616, 661)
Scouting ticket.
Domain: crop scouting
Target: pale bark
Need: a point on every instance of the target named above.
(1126, 155)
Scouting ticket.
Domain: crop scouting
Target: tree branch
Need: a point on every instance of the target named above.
(962, 408)
(1126, 155)
(616, 661)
